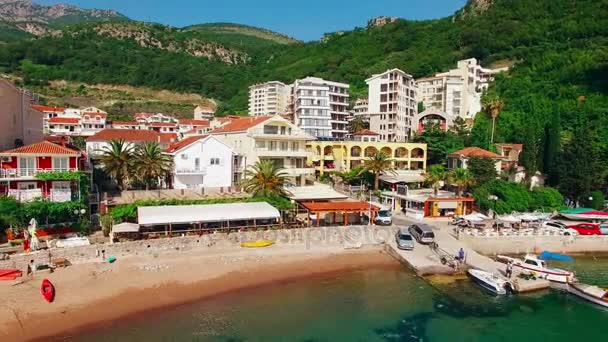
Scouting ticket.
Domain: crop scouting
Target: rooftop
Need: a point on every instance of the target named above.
(193, 122)
(185, 142)
(61, 120)
(517, 147)
(42, 108)
(366, 132)
(41, 148)
(339, 206)
(472, 152)
(133, 135)
(240, 124)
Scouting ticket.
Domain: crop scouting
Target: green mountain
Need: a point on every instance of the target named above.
(558, 82)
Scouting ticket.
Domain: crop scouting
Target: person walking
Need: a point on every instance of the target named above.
(509, 269)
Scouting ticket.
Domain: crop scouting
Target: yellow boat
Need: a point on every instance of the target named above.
(257, 243)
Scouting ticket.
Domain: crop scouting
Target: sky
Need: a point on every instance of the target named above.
(304, 19)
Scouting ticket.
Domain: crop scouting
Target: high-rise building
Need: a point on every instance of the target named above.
(270, 98)
(457, 92)
(392, 104)
(321, 107)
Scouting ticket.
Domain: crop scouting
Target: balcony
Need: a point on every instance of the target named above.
(299, 171)
(293, 135)
(60, 195)
(265, 152)
(25, 195)
(14, 174)
(190, 172)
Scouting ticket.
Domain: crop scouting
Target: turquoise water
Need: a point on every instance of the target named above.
(375, 305)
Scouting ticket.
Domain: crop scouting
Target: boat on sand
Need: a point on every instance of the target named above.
(47, 290)
(532, 264)
(591, 293)
(490, 281)
(257, 243)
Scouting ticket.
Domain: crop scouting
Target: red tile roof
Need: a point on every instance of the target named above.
(161, 124)
(42, 108)
(133, 135)
(338, 206)
(241, 124)
(168, 138)
(94, 114)
(366, 132)
(142, 115)
(193, 122)
(125, 123)
(60, 120)
(476, 152)
(41, 148)
(184, 143)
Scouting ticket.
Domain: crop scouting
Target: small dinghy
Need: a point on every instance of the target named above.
(9, 274)
(591, 293)
(490, 281)
(47, 290)
(258, 243)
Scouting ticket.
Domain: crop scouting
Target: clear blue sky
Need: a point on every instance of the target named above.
(302, 19)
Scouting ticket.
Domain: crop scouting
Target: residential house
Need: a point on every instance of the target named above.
(203, 113)
(271, 138)
(460, 159)
(511, 153)
(193, 127)
(20, 171)
(146, 118)
(392, 104)
(348, 155)
(97, 143)
(21, 123)
(366, 135)
(201, 162)
(72, 121)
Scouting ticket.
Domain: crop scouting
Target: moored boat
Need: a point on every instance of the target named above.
(257, 243)
(532, 264)
(591, 293)
(47, 290)
(490, 281)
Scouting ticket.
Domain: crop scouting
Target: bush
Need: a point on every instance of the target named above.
(516, 197)
(596, 202)
(547, 198)
(106, 224)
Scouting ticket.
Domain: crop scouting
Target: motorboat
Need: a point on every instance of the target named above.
(538, 267)
(490, 282)
(591, 293)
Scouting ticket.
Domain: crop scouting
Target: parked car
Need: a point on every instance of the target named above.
(587, 228)
(604, 228)
(559, 227)
(384, 218)
(404, 239)
(423, 233)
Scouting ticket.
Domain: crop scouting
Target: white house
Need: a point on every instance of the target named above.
(201, 162)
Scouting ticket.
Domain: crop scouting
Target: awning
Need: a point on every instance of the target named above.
(317, 192)
(125, 227)
(186, 214)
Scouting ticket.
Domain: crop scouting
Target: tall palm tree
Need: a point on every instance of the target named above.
(462, 178)
(435, 174)
(117, 160)
(377, 164)
(150, 163)
(493, 107)
(265, 178)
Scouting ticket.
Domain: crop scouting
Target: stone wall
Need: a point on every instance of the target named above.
(536, 244)
(347, 237)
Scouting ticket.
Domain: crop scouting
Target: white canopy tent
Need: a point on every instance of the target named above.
(125, 227)
(187, 214)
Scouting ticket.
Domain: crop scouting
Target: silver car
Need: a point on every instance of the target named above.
(404, 239)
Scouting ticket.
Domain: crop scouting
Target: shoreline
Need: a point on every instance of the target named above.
(92, 296)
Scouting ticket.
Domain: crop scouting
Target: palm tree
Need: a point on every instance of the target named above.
(435, 174)
(462, 178)
(117, 160)
(265, 178)
(378, 163)
(150, 163)
(357, 124)
(493, 107)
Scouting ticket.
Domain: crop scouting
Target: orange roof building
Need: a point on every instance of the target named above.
(460, 159)
(41, 148)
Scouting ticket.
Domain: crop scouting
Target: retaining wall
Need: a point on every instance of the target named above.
(536, 244)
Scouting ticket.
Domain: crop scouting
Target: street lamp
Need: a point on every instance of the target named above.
(493, 198)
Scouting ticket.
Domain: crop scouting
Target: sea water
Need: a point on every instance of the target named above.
(375, 305)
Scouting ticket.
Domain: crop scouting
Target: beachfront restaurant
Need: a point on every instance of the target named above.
(156, 221)
(425, 203)
(339, 213)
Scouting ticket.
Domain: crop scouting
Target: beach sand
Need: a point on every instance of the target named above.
(89, 294)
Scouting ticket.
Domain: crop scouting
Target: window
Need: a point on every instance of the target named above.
(61, 185)
(26, 185)
(215, 161)
(61, 163)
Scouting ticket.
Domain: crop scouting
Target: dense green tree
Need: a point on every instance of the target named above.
(435, 174)
(483, 170)
(462, 178)
(439, 144)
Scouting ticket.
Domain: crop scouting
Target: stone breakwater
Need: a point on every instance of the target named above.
(310, 238)
(536, 244)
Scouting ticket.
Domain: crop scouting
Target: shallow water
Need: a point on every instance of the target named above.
(376, 305)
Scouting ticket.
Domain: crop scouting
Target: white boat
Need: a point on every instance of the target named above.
(532, 264)
(591, 293)
(490, 281)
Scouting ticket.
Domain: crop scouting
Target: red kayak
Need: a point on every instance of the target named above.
(47, 290)
(10, 274)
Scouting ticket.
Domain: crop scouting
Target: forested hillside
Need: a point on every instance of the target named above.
(555, 95)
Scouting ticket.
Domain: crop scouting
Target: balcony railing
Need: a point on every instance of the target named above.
(61, 195)
(25, 195)
(265, 152)
(200, 171)
(29, 173)
(299, 171)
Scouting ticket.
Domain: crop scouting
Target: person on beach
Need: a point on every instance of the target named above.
(461, 254)
(509, 269)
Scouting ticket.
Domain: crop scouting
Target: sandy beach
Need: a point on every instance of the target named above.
(90, 294)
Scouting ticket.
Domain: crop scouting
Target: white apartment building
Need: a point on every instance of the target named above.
(321, 107)
(457, 92)
(270, 98)
(203, 113)
(361, 107)
(201, 162)
(392, 104)
(270, 138)
(72, 121)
